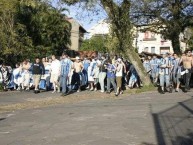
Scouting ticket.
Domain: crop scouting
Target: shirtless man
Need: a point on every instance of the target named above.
(26, 75)
(78, 66)
(76, 77)
(187, 62)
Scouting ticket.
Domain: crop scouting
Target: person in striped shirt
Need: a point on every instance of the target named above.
(64, 73)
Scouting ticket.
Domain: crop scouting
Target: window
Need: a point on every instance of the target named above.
(149, 36)
(152, 49)
(146, 49)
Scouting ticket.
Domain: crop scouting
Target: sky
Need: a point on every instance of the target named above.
(85, 18)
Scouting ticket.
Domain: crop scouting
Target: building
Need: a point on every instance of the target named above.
(143, 41)
(155, 43)
(101, 28)
(77, 34)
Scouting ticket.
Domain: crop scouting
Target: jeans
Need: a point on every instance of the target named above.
(187, 80)
(63, 82)
(164, 79)
(154, 76)
(109, 82)
(176, 78)
(85, 77)
(102, 76)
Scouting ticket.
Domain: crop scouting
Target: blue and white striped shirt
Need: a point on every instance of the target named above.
(65, 66)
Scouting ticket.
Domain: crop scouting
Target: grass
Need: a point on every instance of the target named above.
(141, 90)
(1, 87)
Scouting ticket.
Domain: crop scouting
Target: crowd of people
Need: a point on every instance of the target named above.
(115, 74)
(170, 71)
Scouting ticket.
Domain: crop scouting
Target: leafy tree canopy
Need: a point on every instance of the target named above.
(30, 28)
(96, 43)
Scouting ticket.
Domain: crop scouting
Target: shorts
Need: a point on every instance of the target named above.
(119, 82)
(36, 79)
(54, 78)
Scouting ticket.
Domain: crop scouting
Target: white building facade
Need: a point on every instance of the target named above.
(154, 43)
(143, 41)
(101, 28)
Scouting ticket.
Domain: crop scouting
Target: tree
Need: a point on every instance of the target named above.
(190, 40)
(47, 26)
(12, 41)
(119, 14)
(30, 28)
(95, 43)
(167, 17)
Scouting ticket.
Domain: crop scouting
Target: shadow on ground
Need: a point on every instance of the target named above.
(1, 119)
(174, 126)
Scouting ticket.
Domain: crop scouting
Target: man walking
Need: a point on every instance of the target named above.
(176, 71)
(77, 75)
(102, 74)
(187, 62)
(164, 72)
(26, 75)
(64, 73)
(37, 70)
(154, 69)
(55, 73)
(5, 76)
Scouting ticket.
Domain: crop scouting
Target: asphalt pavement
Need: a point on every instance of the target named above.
(142, 119)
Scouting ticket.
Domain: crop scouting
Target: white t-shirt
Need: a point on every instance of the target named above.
(119, 72)
(55, 67)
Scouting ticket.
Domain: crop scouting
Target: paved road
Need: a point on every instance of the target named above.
(143, 119)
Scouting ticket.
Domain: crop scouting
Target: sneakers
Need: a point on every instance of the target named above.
(36, 91)
(58, 89)
(95, 89)
(108, 92)
(162, 92)
(177, 90)
(54, 91)
(117, 94)
(78, 90)
(19, 89)
(63, 94)
(102, 91)
(91, 89)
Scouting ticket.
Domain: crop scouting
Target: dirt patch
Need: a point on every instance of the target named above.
(43, 102)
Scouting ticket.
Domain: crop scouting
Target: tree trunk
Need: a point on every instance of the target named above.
(122, 27)
(176, 44)
(136, 61)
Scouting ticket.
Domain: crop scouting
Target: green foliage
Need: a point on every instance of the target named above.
(96, 43)
(190, 41)
(30, 28)
(168, 17)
